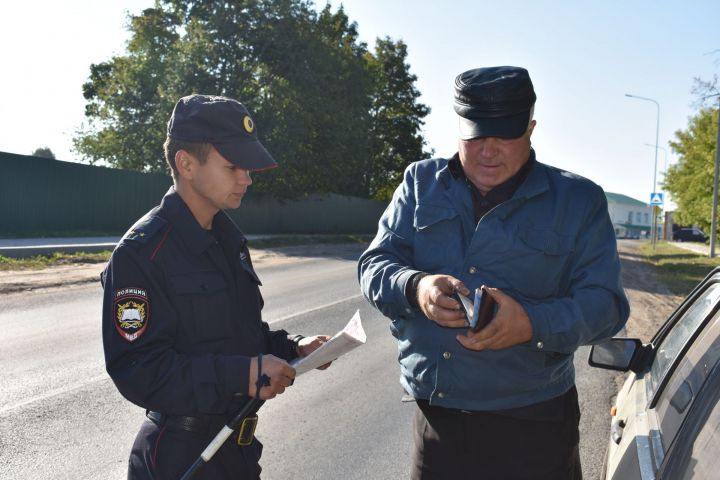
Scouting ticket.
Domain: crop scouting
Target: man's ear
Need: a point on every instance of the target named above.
(532, 126)
(184, 162)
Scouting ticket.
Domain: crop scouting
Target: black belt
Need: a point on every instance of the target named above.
(243, 436)
(189, 424)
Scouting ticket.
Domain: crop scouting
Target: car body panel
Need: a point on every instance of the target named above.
(658, 402)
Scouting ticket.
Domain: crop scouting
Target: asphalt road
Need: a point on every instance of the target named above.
(61, 417)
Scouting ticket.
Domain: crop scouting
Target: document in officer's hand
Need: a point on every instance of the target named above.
(345, 340)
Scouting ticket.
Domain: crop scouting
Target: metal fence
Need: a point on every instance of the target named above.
(44, 197)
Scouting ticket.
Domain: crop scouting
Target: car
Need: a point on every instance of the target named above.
(666, 420)
(689, 235)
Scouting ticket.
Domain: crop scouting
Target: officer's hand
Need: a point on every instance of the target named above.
(309, 344)
(434, 296)
(280, 372)
(511, 326)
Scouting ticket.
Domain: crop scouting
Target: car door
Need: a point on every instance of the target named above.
(654, 403)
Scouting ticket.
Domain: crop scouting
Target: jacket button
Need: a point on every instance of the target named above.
(472, 270)
(446, 355)
(441, 395)
(540, 345)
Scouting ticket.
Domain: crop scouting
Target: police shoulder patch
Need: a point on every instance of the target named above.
(132, 312)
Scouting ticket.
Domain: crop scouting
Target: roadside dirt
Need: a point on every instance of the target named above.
(650, 300)
(24, 281)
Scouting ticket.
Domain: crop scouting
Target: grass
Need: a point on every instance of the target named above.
(39, 262)
(681, 270)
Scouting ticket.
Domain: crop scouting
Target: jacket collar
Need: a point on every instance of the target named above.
(535, 183)
(176, 211)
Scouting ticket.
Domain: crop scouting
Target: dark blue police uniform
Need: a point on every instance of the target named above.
(181, 321)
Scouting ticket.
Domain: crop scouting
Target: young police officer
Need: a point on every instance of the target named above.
(182, 327)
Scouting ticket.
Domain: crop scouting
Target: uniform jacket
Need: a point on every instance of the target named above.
(551, 247)
(180, 320)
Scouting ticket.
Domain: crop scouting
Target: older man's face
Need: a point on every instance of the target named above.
(489, 161)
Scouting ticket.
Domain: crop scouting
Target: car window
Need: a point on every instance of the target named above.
(704, 462)
(676, 338)
(686, 380)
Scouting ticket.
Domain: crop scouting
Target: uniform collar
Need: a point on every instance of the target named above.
(193, 235)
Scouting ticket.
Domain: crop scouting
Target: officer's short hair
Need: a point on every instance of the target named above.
(172, 146)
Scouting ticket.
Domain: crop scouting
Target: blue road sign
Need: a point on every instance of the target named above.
(656, 199)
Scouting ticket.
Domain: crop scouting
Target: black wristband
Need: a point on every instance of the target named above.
(411, 288)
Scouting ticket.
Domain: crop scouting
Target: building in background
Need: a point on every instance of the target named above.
(631, 218)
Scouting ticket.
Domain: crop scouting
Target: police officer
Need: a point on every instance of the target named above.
(182, 328)
(500, 402)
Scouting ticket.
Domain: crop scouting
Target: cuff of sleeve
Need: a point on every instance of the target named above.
(540, 327)
(411, 288)
(295, 344)
(401, 285)
(237, 374)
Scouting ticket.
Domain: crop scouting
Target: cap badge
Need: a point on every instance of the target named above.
(248, 124)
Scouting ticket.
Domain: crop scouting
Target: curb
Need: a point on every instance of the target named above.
(30, 251)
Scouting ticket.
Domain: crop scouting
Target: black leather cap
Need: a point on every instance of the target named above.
(223, 122)
(494, 102)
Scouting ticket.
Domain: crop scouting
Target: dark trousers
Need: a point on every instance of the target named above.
(455, 444)
(164, 453)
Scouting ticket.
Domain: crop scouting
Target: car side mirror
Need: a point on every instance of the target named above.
(621, 354)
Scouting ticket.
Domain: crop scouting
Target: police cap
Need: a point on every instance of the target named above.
(225, 124)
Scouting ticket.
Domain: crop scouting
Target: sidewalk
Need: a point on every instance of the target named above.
(28, 247)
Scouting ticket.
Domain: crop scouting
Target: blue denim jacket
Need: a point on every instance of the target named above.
(551, 247)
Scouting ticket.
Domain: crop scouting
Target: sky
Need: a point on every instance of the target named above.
(583, 57)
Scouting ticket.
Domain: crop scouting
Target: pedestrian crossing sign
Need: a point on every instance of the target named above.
(656, 199)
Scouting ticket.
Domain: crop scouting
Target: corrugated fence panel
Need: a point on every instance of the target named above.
(40, 196)
(43, 197)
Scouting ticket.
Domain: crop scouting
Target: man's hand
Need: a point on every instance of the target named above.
(281, 376)
(309, 344)
(434, 296)
(511, 326)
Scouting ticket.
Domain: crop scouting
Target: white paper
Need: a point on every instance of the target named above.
(348, 338)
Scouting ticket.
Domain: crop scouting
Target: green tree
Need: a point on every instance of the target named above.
(44, 152)
(306, 78)
(397, 118)
(690, 181)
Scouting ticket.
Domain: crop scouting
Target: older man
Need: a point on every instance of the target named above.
(500, 402)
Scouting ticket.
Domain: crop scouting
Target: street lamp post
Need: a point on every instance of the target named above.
(657, 134)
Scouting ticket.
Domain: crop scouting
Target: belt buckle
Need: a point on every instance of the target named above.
(246, 432)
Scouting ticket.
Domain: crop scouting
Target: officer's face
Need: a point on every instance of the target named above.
(489, 161)
(219, 184)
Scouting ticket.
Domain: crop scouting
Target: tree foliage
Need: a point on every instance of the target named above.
(690, 181)
(337, 117)
(44, 152)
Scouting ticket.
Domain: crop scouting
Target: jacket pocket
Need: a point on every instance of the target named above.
(547, 241)
(438, 238)
(543, 256)
(203, 303)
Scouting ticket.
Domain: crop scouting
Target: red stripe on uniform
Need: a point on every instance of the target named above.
(157, 444)
(157, 249)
